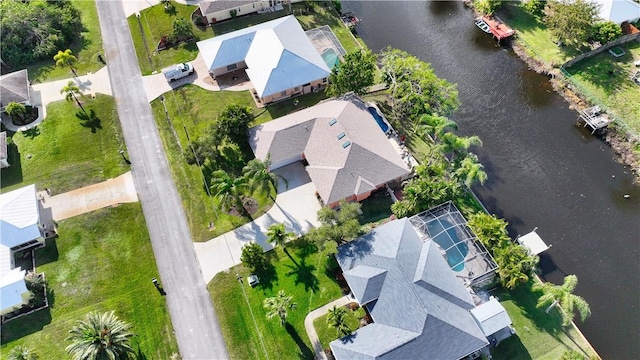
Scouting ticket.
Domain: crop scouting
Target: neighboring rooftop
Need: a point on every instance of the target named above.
(278, 54)
(14, 87)
(210, 7)
(618, 11)
(19, 216)
(347, 152)
(420, 310)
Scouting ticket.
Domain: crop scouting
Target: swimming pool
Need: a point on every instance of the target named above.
(449, 241)
(383, 125)
(330, 58)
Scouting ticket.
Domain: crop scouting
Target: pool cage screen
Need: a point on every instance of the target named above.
(467, 257)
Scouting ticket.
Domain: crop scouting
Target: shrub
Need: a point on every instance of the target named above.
(606, 31)
(233, 13)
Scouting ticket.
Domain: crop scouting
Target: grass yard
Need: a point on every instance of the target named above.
(539, 335)
(608, 80)
(247, 332)
(101, 261)
(533, 33)
(64, 152)
(156, 22)
(327, 334)
(86, 49)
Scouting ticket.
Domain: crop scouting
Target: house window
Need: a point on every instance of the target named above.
(284, 93)
(232, 67)
(324, 80)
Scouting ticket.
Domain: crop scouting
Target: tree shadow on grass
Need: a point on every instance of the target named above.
(305, 352)
(31, 133)
(47, 254)
(12, 174)
(267, 275)
(511, 348)
(89, 120)
(139, 355)
(607, 74)
(304, 274)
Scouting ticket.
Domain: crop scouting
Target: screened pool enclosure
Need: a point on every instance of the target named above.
(467, 257)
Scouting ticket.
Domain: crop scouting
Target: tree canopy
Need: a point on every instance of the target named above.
(337, 225)
(35, 30)
(356, 73)
(253, 256)
(563, 296)
(100, 336)
(233, 122)
(278, 306)
(414, 87)
(571, 21)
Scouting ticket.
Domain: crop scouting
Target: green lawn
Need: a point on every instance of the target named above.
(327, 334)
(101, 261)
(324, 14)
(615, 90)
(86, 49)
(539, 335)
(156, 22)
(64, 152)
(243, 321)
(533, 34)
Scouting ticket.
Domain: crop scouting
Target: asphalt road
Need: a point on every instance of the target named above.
(194, 320)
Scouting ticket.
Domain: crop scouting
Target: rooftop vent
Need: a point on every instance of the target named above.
(341, 135)
(346, 144)
(333, 122)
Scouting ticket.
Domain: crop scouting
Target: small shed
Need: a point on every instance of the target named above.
(533, 242)
(494, 321)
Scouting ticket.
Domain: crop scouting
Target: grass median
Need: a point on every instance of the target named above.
(68, 150)
(101, 261)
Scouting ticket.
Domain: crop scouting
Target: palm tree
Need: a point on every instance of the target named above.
(16, 111)
(66, 58)
(278, 306)
(457, 145)
(22, 353)
(279, 235)
(100, 336)
(259, 177)
(336, 318)
(71, 89)
(562, 296)
(434, 126)
(470, 170)
(229, 190)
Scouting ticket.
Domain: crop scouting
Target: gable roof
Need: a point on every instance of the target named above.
(348, 156)
(210, 7)
(278, 55)
(491, 316)
(14, 87)
(618, 11)
(19, 217)
(12, 286)
(421, 311)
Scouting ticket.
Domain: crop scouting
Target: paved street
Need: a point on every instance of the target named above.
(193, 317)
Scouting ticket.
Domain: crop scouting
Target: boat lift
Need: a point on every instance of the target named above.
(533, 242)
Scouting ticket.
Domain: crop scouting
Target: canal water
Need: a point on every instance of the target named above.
(544, 171)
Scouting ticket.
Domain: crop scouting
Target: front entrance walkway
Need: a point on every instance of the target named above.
(76, 202)
(296, 207)
(311, 330)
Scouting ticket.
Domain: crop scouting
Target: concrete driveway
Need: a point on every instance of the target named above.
(296, 207)
(156, 85)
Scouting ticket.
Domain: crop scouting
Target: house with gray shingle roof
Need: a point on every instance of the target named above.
(420, 310)
(14, 87)
(348, 155)
(277, 56)
(219, 10)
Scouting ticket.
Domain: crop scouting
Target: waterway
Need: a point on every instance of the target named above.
(544, 171)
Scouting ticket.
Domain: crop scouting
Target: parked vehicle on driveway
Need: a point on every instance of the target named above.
(178, 71)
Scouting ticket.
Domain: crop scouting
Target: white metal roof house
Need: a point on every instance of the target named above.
(618, 11)
(348, 154)
(419, 309)
(219, 10)
(4, 154)
(20, 228)
(277, 57)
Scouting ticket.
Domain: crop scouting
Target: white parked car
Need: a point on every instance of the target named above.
(178, 71)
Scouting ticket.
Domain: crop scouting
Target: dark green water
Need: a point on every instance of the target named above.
(543, 170)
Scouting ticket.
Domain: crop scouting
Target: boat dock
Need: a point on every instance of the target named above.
(595, 118)
(498, 29)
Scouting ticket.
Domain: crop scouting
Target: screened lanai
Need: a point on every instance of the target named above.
(467, 257)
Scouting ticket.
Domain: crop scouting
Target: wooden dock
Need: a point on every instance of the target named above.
(595, 118)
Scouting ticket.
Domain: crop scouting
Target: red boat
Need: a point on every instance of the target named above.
(496, 27)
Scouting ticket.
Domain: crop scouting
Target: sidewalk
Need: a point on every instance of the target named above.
(76, 202)
(311, 330)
